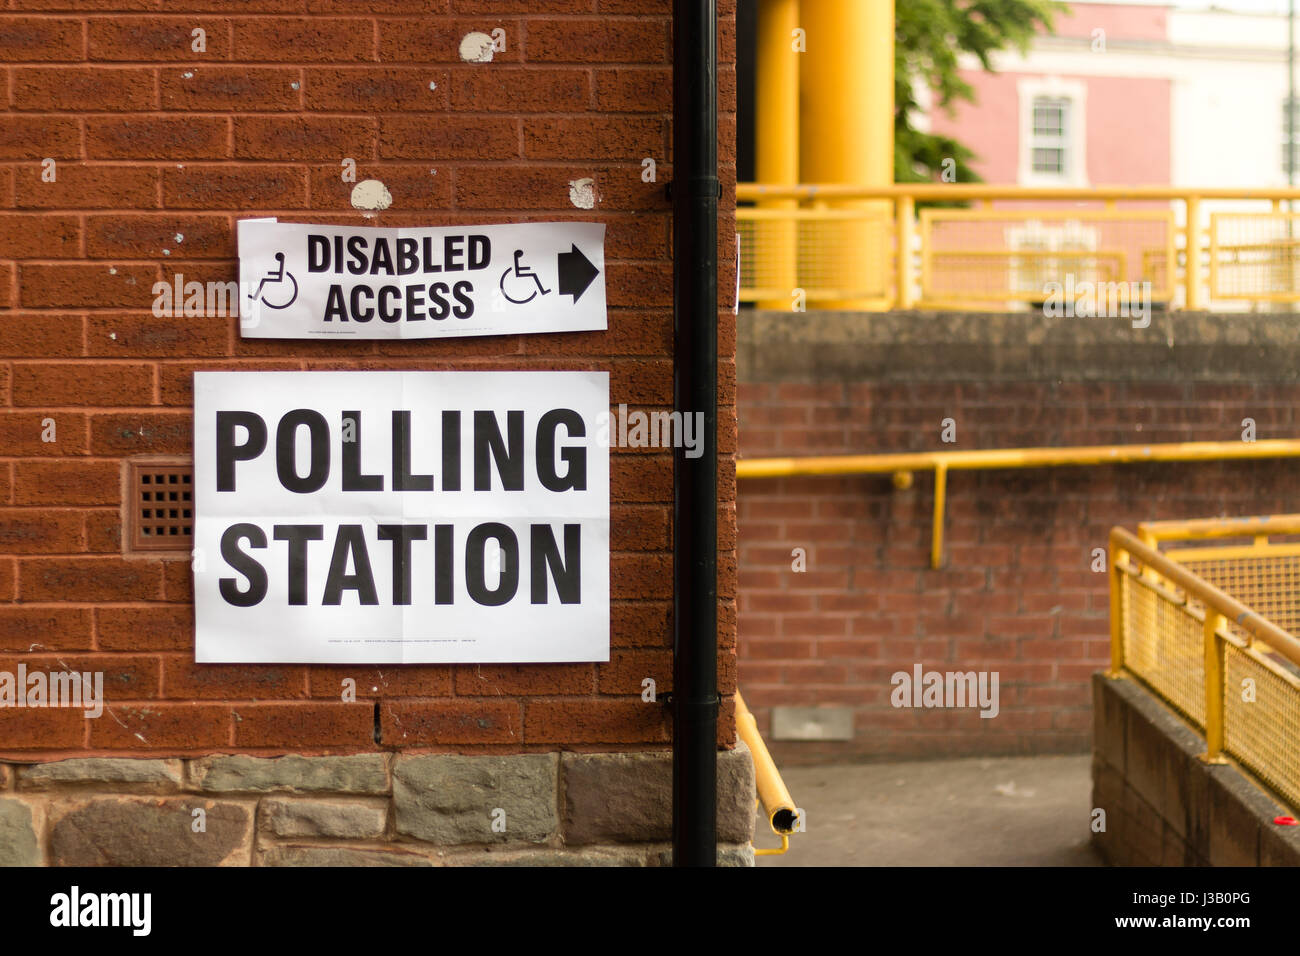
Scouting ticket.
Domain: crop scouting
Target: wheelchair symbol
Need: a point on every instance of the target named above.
(517, 273)
(277, 276)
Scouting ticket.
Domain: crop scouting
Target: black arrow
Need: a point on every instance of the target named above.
(576, 273)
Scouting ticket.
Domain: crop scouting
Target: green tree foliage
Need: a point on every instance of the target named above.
(930, 35)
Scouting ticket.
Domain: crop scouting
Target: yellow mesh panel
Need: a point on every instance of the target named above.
(1254, 255)
(829, 254)
(1096, 259)
(1163, 645)
(1269, 585)
(1262, 734)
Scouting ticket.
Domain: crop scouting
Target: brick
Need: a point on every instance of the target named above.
(36, 531)
(25, 236)
(161, 726)
(152, 628)
(78, 383)
(424, 7)
(183, 679)
(152, 831)
(424, 723)
(137, 433)
(631, 89)
(412, 187)
(521, 90)
(168, 138)
(640, 576)
(640, 624)
(373, 89)
(377, 682)
(245, 188)
(26, 434)
(131, 335)
(39, 39)
(523, 680)
(303, 39)
(98, 286)
(116, 5)
(177, 379)
(449, 799)
(303, 137)
(154, 39)
(237, 773)
(296, 726)
(595, 721)
(437, 40)
(50, 728)
(89, 579)
(45, 629)
(38, 137)
(147, 236)
(490, 7)
(125, 677)
(631, 138)
(66, 483)
(83, 88)
(604, 40)
(234, 88)
(437, 140)
(626, 670)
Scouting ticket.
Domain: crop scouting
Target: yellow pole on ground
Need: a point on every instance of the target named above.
(846, 112)
(776, 242)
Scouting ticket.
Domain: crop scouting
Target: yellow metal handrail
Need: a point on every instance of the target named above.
(866, 247)
(902, 465)
(782, 814)
(1198, 647)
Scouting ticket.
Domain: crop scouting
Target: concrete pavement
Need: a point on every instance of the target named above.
(1003, 811)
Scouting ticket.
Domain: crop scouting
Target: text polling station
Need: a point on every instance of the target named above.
(363, 282)
(401, 517)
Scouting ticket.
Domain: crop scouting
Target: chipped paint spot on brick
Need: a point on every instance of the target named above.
(371, 194)
(582, 193)
(476, 48)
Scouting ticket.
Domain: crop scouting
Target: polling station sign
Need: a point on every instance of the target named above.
(300, 281)
(401, 517)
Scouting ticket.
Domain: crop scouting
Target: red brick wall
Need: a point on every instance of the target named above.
(1016, 594)
(152, 140)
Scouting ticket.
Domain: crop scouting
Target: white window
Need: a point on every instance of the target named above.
(1052, 133)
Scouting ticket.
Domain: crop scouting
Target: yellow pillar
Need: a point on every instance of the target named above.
(775, 247)
(846, 111)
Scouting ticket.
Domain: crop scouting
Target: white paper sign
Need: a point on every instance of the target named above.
(301, 281)
(401, 517)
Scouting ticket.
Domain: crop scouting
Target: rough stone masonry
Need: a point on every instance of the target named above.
(375, 809)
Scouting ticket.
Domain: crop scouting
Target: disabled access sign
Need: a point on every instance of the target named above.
(302, 281)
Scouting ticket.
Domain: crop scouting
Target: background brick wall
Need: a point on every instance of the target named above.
(1016, 593)
(158, 151)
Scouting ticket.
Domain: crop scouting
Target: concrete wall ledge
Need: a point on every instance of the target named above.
(1163, 805)
(1025, 346)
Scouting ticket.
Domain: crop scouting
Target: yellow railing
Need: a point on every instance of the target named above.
(1179, 622)
(902, 465)
(809, 246)
(782, 814)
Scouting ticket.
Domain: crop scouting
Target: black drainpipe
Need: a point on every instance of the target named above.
(695, 193)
